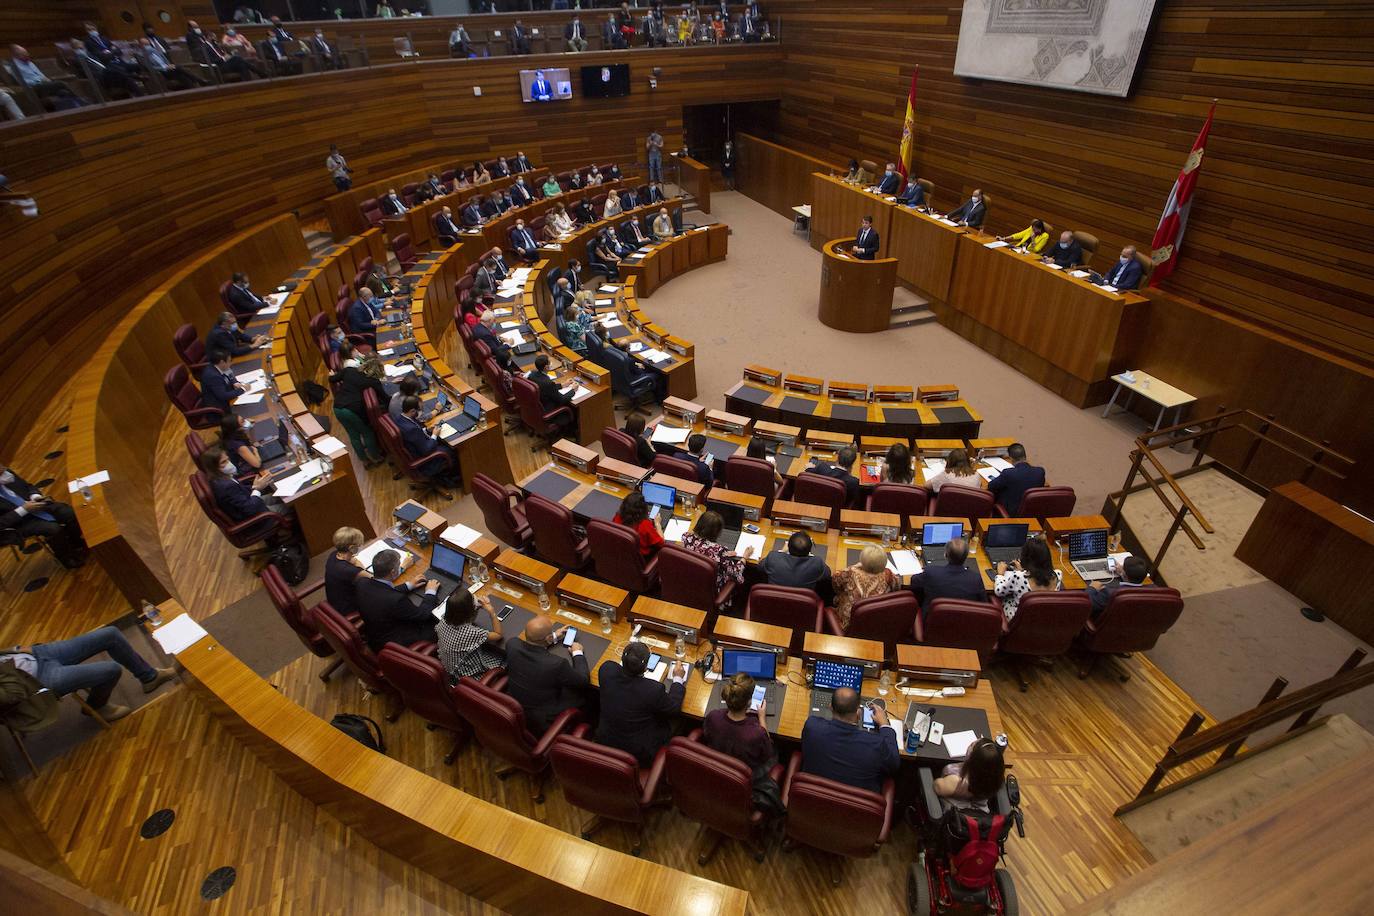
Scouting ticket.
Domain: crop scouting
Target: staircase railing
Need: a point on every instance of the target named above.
(1317, 458)
(1229, 736)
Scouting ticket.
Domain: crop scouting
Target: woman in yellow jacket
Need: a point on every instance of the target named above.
(1033, 238)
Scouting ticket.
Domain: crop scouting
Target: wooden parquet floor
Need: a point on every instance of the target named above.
(1080, 748)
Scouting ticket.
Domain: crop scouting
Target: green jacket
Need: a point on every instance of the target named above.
(25, 704)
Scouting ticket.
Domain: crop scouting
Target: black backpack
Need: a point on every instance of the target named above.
(291, 562)
(361, 729)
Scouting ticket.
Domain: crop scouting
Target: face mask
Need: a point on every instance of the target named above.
(197, 31)
(1063, 244)
(231, 33)
(234, 326)
(6, 478)
(227, 469)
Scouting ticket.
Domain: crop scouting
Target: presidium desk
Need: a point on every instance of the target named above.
(1057, 328)
(856, 295)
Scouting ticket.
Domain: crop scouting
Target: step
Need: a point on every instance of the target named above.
(1180, 818)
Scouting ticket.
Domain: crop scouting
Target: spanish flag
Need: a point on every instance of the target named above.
(1174, 220)
(908, 148)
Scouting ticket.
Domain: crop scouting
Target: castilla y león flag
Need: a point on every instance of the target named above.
(1169, 234)
(908, 147)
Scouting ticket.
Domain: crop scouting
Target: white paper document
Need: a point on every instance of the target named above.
(581, 394)
(933, 465)
(605, 302)
(747, 540)
(997, 244)
(671, 435)
(396, 371)
(1080, 274)
(610, 321)
(270, 310)
(251, 398)
(89, 480)
(655, 355)
(507, 325)
(904, 562)
(958, 743)
(947, 222)
(513, 338)
(1053, 266)
(445, 431)
(369, 551)
(607, 288)
(675, 529)
(274, 299)
(988, 473)
(1001, 464)
(460, 535)
(179, 634)
(329, 445)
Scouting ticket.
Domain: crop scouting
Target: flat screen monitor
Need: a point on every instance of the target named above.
(606, 82)
(761, 666)
(553, 84)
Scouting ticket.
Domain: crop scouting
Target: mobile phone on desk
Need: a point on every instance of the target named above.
(505, 612)
(570, 636)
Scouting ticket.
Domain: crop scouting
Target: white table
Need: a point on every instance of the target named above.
(1152, 390)
(802, 220)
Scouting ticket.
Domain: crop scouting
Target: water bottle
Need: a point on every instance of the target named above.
(327, 467)
(483, 573)
(607, 621)
(151, 613)
(543, 595)
(680, 647)
(887, 538)
(973, 546)
(86, 492)
(884, 683)
(482, 420)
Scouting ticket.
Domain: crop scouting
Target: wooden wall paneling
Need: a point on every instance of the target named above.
(775, 176)
(37, 23)
(1294, 135)
(837, 211)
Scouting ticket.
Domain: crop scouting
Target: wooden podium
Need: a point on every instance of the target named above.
(855, 295)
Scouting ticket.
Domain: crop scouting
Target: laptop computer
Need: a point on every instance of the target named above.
(472, 412)
(1088, 554)
(660, 497)
(827, 678)
(761, 666)
(446, 568)
(733, 516)
(1004, 542)
(934, 537)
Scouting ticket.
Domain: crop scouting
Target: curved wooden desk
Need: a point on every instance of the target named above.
(855, 295)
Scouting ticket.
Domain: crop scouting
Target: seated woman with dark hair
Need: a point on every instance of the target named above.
(757, 448)
(702, 539)
(644, 449)
(975, 781)
(237, 442)
(634, 513)
(466, 649)
(1034, 572)
(737, 731)
(897, 465)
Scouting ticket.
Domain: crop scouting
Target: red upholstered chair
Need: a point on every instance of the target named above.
(620, 446)
(291, 605)
(819, 490)
(674, 467)
(265, 526)
(420, 469)
(901, 498)
(1046, 502)
(957, 624)
(404, 251)
(445, 239)
(372, 212)
(964, 502)
(408, 192)
(363, 342)
(554, 538)
(833, 817)
(1132, 621)
(348, 642)
(499, 724)
(888, 619)
(189, 348)
(532, 413)
(607, 782)
(1044, 626)
(228, 303)
(689, 579)
(755, 476)
(424, 688)
(501, 384)
(185, 397)
(799, 609)
(615, 550)
(716, 790)
(503, 511)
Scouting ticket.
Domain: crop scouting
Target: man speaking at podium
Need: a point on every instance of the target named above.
(865, 246)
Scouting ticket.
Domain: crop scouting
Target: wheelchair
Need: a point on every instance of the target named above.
(946, 879)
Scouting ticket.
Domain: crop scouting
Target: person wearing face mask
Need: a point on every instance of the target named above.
(242, 299)
(612, 207)
(51, 93)
(225, 335)
(26, 513)
(236, 438)
(338, 169)
(971, 212)
(1067, 253)
(106, 63)
(324, 52)
(238, 501)
(1126, 272)
(595, 178)
(520, 193)
(155, 60)
(543, 676)
(236, 61)
(1031, 239)
(218, 386)
(663, 225)
(522, 240)
(392, 205)
(891, 182)
(459, 44)
(235, 42)
(521, 163)
(363, 316)
(388, 613)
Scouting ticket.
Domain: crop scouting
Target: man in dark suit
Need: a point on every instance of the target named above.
(575, 34)
(218, 386)
(949, 581)
(225, 335)
(637, 712)
(891, 182)
(204, 50)
(482, 331)
(611, 36)
(563, 295)
(839, 748)
(632, 234)
(364, 314)
(582, 212)
(865, 246)
(1133, 574)
(540, 90)
(844, 460)
(486, 280)
(696, 447)
(498, 262)
(328, 56)
(629, 199)
(522, 164)
(103, 52)
(573, 273)
(1012, 484)
(433, 187)
(421, 442)
(501, 169)
(1126, 272)
(971, 212)
(445, 227)
(388, 613)
(1066, 253)
(242, 299)
(472, 214)
(239, 501)
(25, 513)
(796, 568)
(522, 240)
(392, 205)
(519, 193)
(544, 680)
(656, 195)
(914, 195)
(551, 397)
(519, 38)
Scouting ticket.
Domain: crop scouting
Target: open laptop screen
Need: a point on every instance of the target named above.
(761, 666)
(1087, 545)
(933, 533)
